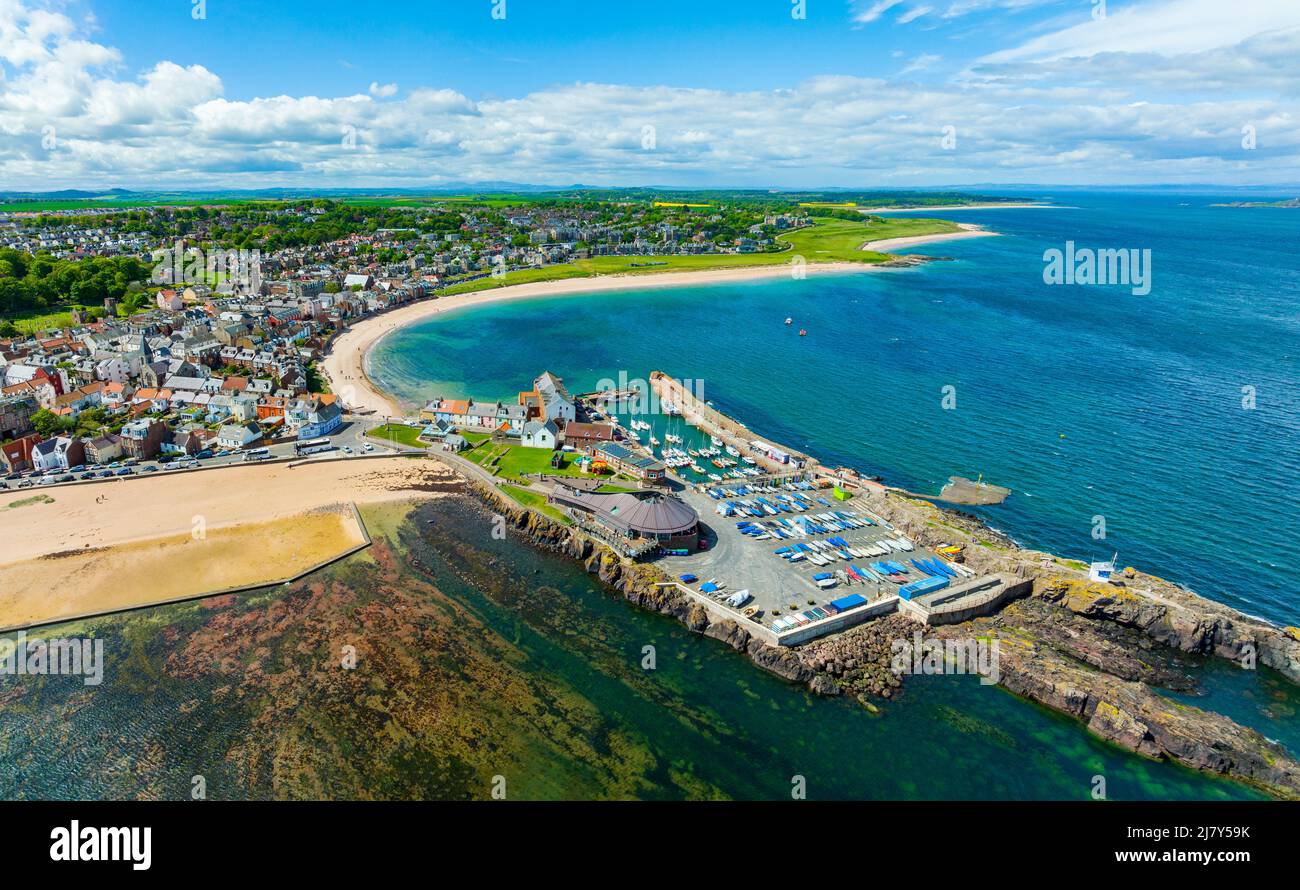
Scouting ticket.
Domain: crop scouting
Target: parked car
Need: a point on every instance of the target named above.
(204, 454)
(26, 483)
(105, 474)
(67, 477)
(89, 474)
(149, 469)
(125, 471)
(368, 446)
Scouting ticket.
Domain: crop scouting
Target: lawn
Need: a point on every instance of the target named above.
(398, 432)
(515, 461)
(826, 241)
(535, 501)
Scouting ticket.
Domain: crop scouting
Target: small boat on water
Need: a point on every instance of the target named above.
(654, 442)
(789, 321)
(803, 332)
(717, 443)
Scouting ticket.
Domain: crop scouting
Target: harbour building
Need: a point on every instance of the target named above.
(635, 520)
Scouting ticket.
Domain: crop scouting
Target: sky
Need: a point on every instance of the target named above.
(194, 94)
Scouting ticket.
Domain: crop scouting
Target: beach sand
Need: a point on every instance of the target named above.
(173, 567)
(346, 364)
(968, 230)
(262, 523)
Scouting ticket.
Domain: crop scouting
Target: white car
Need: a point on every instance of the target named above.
(369, 447)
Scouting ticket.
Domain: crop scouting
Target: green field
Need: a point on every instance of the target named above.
(827, 241)
(515, 461)
(535, 501)
(398, 432)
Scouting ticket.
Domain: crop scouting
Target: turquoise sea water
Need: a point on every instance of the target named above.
(518, 664)
(1087, 401)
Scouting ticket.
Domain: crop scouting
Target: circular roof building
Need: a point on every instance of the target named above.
(658, 516)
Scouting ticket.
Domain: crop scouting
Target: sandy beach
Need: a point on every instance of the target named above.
(166, 504)
(968, 230)
(1026, 206)
(347, 363)
(162, 538)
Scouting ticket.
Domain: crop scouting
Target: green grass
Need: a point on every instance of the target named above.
(535, 501)
(515, 461)
(399, 432)
(826, 241)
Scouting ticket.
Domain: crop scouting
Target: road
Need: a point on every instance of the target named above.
(349, 441)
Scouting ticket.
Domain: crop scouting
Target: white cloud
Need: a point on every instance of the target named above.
(1165, 28)
(868, 14)
(1109, 118)
(913, 14)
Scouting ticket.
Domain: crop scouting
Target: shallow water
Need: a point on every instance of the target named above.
(480, 658)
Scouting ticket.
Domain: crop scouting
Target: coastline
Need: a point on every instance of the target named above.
(347, 363)
(968, 230)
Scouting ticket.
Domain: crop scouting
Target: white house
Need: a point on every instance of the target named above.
(237, 435)
(540, 435)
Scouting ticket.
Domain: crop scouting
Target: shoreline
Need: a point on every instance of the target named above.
(945, 207)
(346, 363)
(968, 230)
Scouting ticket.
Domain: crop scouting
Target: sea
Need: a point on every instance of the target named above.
(1160, 427)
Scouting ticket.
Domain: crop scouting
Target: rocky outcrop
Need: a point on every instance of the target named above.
(647, 587)
(1188, 623)
(858, 661)
(1070, 665)
(1078, 648)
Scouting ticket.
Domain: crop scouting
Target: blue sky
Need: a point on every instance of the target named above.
(259, 48)
(857, 93)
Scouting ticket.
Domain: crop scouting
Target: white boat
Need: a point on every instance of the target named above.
(739, 598)
(717, 443)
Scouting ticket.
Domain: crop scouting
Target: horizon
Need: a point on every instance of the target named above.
(898, 94)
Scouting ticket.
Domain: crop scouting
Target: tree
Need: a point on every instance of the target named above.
(48, 424)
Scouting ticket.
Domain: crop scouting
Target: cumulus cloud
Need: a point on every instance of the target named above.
(1042, 112)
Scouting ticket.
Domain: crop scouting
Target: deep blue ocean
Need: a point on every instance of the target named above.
(1086, 400)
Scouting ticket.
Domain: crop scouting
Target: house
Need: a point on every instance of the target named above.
(624, 460)
(58, 454)
(142, 438)
(323, 418)
(455, 443)
(436, 431)
(238, 435)
(583, 435)
(540, 435)
(16, 456)
(16, 415)
(362, 281)
(104, 449)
